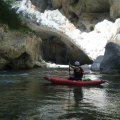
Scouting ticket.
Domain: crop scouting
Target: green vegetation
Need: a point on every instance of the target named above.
(9, 17)
(9, 1)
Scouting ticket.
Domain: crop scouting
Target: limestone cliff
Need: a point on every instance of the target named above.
(17, 50)
(83, 13)
(70, 30)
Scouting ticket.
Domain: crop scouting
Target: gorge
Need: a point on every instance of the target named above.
(64, 31)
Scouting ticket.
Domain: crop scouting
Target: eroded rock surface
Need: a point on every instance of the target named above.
(18, 50)
(111, 60)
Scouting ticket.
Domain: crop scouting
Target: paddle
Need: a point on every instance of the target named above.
(69, 68)
(69, 87)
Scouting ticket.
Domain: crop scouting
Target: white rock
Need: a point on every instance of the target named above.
(92, 43)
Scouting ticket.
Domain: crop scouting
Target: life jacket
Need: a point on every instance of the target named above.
(78, 72)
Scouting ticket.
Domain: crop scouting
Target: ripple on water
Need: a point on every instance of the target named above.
(33, 100)
(9, 81)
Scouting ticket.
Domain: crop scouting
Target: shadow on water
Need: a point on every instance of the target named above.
(78, 95)
(79, 104)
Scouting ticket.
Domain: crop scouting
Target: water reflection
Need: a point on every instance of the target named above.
(26, 96)
(78, 95)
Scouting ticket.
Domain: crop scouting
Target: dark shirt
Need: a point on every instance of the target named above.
(78, 72)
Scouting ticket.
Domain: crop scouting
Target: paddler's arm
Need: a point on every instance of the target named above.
(71, 66)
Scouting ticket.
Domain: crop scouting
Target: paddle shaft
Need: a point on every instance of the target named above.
(69, 68)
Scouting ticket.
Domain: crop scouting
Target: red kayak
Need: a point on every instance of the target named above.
(63, 81)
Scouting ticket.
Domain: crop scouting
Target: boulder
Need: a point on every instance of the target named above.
(96, 64)
(18, 50)
(111, 60)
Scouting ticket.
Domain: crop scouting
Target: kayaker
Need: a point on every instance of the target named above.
(77, 71)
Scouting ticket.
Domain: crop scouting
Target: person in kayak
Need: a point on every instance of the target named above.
(77, 71)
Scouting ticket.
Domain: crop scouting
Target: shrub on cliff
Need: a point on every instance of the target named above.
(8, 16)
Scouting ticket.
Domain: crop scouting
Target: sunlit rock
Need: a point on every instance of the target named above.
(87, 13)
(55, 22)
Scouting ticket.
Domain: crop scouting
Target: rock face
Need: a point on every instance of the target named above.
(57, 47)
(83, 13)
(96, 65)
(111, 60)
(114, 9)
(17, 50)
(41, 5)
(56, 51)
(53, 24)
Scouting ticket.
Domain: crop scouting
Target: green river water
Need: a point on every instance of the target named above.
(25, 95)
